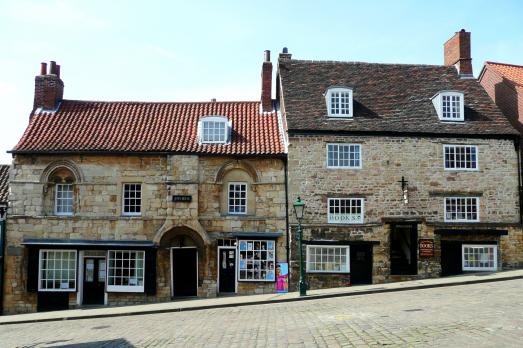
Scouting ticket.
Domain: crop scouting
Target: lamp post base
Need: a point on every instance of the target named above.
(303, 288)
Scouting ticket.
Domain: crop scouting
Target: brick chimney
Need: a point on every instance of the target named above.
(49, 88)
(266, 77)
(457, 53)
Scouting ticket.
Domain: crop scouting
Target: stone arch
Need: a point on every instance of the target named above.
(62, 164)
(237, 164)
(170, 230)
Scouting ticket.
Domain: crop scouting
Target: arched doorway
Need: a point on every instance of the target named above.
(186, 252)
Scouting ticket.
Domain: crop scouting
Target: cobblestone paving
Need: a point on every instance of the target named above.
(481, 315)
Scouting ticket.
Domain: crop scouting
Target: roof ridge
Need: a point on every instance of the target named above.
(369, 63)
(509, 64)
(162, 102)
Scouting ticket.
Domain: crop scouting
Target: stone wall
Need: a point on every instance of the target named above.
(98, 212)
(385, 160)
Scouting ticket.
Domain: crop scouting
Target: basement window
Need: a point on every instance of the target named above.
(450, 105)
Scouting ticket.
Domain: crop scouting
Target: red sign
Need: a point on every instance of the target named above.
(426, 247)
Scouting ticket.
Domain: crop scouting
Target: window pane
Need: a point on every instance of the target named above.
(57, 270)
(237, 198)
(132, 199)
(345, 210)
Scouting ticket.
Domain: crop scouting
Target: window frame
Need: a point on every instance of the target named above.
(445, 219)
(478, 246)
(40, 263)
(360, 159)
(328, 96)
(347, 258)
(124, 288)
(360, 221)
(246, 197)
(246, 242)
(56, 199)
(124, 213)
(438, 104)
(215, 119)
(445, 146)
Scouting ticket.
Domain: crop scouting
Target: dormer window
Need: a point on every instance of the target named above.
(450, 105)
(339, 102)
(214, 130)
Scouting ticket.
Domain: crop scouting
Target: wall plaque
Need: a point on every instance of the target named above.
(426, 247)
(182, 198)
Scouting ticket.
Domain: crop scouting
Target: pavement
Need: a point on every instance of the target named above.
(248, 300)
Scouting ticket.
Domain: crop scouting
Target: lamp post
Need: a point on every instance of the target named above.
(299, 208)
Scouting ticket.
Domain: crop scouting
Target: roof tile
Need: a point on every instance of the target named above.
(387, 98)
(511, 72)
(94, 126)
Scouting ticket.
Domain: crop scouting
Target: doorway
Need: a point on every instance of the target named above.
(94, 281)
(226, 269)
(184, 266)
(404, 249)
(361, 264)
(451, 263)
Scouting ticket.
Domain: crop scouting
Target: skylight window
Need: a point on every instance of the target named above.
(450, 105)
(339, 102)
(214, 130)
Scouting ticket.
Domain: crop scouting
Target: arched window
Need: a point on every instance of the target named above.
(62, 181)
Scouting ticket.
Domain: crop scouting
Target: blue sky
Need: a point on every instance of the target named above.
(198, 50)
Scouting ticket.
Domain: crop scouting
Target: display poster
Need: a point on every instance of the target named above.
(282, 277)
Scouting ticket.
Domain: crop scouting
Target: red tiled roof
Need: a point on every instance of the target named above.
(511, 72)
(93, 126)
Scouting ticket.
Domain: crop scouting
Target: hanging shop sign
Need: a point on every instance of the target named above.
(426, 247)
(182, 198)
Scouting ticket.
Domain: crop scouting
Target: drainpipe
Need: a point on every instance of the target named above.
(287, 246)
(3, 212)
(517, 144)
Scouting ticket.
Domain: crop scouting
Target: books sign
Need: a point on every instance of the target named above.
(182, 198)
(426, 247)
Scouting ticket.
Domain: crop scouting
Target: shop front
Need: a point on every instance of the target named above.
(464, 250)
(71, 273)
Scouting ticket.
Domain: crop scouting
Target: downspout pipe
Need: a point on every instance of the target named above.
(287, 234)
(2, 256)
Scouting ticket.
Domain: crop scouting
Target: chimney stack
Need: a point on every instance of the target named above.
(266, 77)
(457, 53)
(285, 54)
(49, 88)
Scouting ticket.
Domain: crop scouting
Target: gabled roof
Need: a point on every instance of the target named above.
(387, 98)
(4, 180)
(513, 73)
(143, 127)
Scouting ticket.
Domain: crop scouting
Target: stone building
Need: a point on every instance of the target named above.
(132, 202)
(407, 171)
(504, 84)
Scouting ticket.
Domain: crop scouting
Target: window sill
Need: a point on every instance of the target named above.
(137, 289)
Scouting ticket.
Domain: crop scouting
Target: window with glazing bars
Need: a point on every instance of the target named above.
(461, 209)
(132, 199)
(451, 107)
(63, 199)
(461, 157)
(237, 198)
(343, 156)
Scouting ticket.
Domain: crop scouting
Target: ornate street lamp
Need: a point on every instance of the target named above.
(299, 209)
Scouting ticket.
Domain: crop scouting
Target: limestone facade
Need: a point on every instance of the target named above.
(420, 160)
(98, 181)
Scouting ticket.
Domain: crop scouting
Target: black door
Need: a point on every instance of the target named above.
(227, 269)
(184, 270)
(94, 281)
(404, 249)
(451, 258)
(361, 264)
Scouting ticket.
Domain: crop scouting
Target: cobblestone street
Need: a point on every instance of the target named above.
(481, 315)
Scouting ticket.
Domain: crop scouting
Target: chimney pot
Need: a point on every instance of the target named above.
(267, 55)
(43, 68)
(58, 70)
(285, 50)
(213, 100)
(52, 69)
